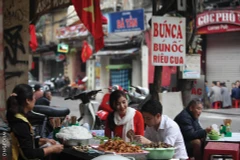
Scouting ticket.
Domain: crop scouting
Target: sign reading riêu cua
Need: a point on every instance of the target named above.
(168, 41)
(125, 21)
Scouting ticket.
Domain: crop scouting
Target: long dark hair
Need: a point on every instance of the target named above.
(17, 101)
(114, 96)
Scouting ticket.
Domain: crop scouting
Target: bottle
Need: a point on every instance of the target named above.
(65, 122)
(221, 129)
(228, 129)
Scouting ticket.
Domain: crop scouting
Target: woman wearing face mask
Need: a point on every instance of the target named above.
(24, 145)
(123, 118)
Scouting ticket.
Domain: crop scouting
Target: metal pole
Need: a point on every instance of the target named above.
(156, 88)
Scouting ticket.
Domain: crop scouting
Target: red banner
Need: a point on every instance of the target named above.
(86, 52)
(90, 14)
(218, 21)
(33, 38)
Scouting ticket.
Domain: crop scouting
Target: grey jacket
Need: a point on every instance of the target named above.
(215, 94)
(226, 97)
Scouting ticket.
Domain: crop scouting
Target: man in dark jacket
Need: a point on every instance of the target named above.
(236, 91)
(45, 99)
(192, 132)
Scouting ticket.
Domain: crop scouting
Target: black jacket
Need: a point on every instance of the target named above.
(42, 101)
(26, 141)
(189, 126)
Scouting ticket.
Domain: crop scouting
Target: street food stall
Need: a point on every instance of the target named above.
(82, 144)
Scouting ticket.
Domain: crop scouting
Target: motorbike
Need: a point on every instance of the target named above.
(136, 96)
(73, 89)
(55, 84)
(39, 118)
(50, 84)
(86, 108)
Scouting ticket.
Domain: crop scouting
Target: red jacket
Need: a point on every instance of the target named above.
(138, 127)
(105, 103)
(80, 82)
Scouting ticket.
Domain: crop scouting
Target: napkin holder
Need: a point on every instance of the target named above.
(228, 134)
(223, 129)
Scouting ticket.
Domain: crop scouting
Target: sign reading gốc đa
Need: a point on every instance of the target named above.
(168, 41)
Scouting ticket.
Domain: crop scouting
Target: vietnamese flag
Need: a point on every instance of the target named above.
(86, 52)
(90, 14)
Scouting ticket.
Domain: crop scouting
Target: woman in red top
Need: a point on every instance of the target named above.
(123, 118)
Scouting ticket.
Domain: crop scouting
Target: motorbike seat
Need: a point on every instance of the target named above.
(51, 111)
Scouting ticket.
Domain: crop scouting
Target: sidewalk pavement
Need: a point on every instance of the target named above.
(228, 111)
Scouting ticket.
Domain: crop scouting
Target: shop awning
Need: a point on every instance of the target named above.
(73, 18)
(117, 52)
(119, 66)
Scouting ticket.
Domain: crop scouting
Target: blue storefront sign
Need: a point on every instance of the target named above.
(125, 21)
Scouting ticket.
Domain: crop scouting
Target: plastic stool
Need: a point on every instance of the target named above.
(236, 103)
(217, 104)
(233, 103)
(217, 148)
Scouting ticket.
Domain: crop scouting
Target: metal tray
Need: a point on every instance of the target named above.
(75, 142)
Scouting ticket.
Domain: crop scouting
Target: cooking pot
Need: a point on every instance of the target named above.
(112, 156)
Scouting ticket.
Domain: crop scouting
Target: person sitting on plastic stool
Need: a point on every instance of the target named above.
(193, 134)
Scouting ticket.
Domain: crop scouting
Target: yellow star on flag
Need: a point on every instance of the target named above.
(91, 10)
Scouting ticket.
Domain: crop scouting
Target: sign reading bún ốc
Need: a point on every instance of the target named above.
(168, 41)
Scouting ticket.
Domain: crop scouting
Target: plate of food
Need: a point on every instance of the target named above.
(118, 146)
(214, 135)
(84, 149)
(159, 150)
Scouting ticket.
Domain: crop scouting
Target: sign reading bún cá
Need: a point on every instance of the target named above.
(169, 41)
